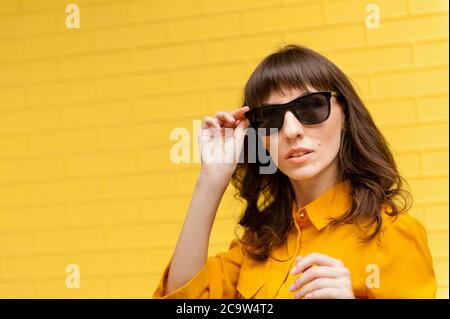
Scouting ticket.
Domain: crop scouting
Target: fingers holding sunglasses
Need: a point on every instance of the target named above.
(233, 118)
(226, 119)
(210, 122)
(238, 114)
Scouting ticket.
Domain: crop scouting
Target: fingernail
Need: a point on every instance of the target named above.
(292, 287)
(293, 270)
(298, 258)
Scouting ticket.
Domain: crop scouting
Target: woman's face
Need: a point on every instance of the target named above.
(320, 141)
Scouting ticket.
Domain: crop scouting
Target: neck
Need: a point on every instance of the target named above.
(309, 189)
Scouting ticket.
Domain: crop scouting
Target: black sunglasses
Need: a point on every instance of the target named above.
(313, 108)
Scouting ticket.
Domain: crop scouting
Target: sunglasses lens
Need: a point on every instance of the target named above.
(313, 109)
(268, 119)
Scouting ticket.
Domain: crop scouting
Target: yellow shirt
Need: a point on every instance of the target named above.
(395, 264)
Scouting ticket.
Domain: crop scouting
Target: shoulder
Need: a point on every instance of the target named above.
(402, 227)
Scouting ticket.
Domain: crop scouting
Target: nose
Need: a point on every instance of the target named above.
(292, 127)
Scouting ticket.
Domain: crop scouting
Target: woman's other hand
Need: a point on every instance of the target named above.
(322, 277)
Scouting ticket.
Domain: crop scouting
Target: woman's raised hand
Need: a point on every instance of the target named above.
(221, 139)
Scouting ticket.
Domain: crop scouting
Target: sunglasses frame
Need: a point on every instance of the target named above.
(289, 106)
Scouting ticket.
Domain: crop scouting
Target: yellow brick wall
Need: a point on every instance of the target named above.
(85, 118)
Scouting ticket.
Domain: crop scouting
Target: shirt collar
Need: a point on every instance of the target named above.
(331, 204)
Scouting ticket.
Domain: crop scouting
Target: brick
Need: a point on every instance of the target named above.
(10, 7)
(29, 169)
(361, 84)
(12, 49)
(173, 106)
(418, 6)
(130, 36)
(439, 242)
(327, 39)
(393, 112)
(417, 136)
(354, 10)
(156, 254)
(133, 85)
(14, 73)
(33, 218)
(284, 18)
(373, 60)
(243, 47)
(442, 293)
(94, 114)
(226, 99)
(100, 164)
(433, 108)
(158, 132)
(12, 98)
(27, 24)
(89, 288)
(157, 158)
(13, 146)
(106, 263)
(223, 230)
(436, 215)
(67, 190)
(204, 27)
(186, 180)
(441, 269)
(431, 53)
(69, 240)
(16, 243)
(31, 5)
(409, 163)
(36, 266)
(62, 142)
(42, 70)
(120, 136)
(91, 65)
(143, 185)
(168, 56)
(143, 235)
(153, 133)
(169, 208)
(435, 162)
(419, 28)
(104, 213)
(60, 92)
(24, 290)
(15, 194)
(60, 44)
(148, 10)
(136, 286)
(206, 77)
(408, 83)
(102, 15)
(214, 6)
(31, 120)
(429, 189)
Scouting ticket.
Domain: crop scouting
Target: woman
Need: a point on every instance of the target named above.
(330, 222)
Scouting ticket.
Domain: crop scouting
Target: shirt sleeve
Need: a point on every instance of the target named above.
(404, 260)
(217, 278)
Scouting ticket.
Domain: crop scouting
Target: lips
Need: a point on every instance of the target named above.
(297, 151)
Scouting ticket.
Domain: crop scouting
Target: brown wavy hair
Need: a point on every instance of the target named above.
(364, 157)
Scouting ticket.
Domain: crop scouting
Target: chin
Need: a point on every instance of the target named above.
(303, 172)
